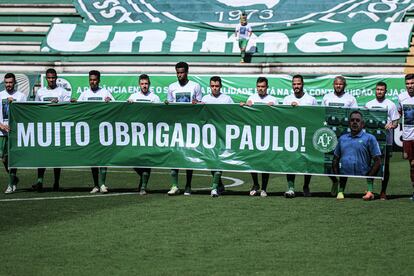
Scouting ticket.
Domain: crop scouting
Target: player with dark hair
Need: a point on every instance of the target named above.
(182, 91)
(353, 154)
(392, 122)
(7, 96)
(261, 97)
(298, 98)
(406, 106)
(144, 95)
(98, 94)
(52, 94)
(216, 97)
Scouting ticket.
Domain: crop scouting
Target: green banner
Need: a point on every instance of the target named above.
(239, 87)
(280, 139)
(203, 39)
(229, 11)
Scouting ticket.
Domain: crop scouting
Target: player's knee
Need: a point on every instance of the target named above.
(217, 173)
(174, 173)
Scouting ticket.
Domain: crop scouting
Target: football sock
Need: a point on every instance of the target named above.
(255, 181)
(370, 184)
(57, 172)
(102, 176)
(291, 181)
(216, 180)
(12, 177)
(265, 180)
(189, 177)
(40, 175)
(144, 178)
(174, 177)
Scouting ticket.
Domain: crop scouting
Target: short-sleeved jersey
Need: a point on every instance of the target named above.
(243, 31)
(141, 97)
(346, 100)
(356, 152)
(392, 114)
(221, 99)
(47, 95)
(306, 99)
(184, 94)
(405, 106)
(4, 107)
(98, 95)
(256, 99)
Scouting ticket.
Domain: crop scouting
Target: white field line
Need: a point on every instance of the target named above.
(236, 182)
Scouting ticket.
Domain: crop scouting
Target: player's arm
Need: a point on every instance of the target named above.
(375, 167)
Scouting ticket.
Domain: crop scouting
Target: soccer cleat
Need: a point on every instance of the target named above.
(253, 193)
(340, 196)
(334, 189)
(242, 60)
(103, 189)
(263, 193)
(174, 191)
(94, 190)
(368, 196)
(383, 196)
(142, 192)
(214, 193)
(290, 193)
(412, 197)
(187, 192)
(10, 189)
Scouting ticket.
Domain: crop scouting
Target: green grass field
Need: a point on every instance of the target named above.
(128, 234)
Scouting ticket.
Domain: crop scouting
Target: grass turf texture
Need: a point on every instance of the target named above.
(233, 234)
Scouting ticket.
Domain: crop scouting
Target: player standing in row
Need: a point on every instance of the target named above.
(406, 109)
(52, 94)
(144, 95)
(182, 91)
(298, 98)
(392, 122)
(261, 97)
(216, 97)
(243, 33)
(338, 98)
(96, 93)
(7, 96)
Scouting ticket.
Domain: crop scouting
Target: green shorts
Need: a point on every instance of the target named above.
(4, 146)
(243, 43)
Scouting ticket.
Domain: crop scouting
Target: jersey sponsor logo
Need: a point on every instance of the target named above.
(324, 140)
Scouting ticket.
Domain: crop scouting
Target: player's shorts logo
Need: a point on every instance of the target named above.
(324, 140)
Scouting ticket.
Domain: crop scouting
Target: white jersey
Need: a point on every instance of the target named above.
(4, 106)
(243, 31)
(256, 99)
(98, 95)
(141, 97)
(47, 95)
(221, 99)
(392, 114)
(184, 94)
(306, 99)
(406, 107)
(346, 100)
